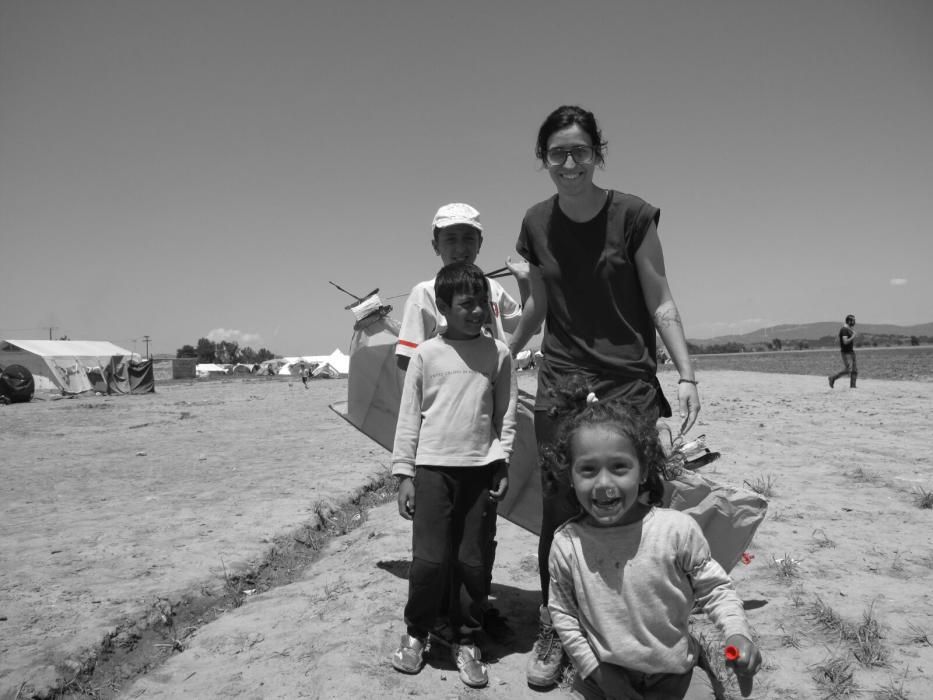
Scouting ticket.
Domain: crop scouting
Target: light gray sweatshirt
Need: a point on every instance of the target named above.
(623, 595)
(458, 405)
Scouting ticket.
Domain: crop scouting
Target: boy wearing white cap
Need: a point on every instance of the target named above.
(458, 236)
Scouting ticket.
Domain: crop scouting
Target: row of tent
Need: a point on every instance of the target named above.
(333, 366)
(76, 366)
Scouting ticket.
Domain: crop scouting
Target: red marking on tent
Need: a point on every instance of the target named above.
(407, 343)
(747, 558)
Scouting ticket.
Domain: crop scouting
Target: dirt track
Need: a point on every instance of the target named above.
(111, 503)
(92, 534)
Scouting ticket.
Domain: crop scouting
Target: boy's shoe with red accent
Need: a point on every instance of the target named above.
(544, 662)
(469, 662)
(409, 657)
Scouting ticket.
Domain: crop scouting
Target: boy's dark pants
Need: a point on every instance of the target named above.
(450, 527)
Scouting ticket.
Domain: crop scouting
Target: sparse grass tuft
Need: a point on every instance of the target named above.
(923, 498)
(919, 636)
(893, 690)
(790, 639)
(821, 539)
(334, 589)
(763, 485)
(175, 641)
(864, 638)
(862, 475)
(829, 619)
(778, 516)
(787, 567)
(233, 587)
(869, 649)
(835, 677)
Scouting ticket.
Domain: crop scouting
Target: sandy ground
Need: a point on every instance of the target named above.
(94, 534)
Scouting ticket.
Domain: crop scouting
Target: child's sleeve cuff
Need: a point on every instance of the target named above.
(403, 469)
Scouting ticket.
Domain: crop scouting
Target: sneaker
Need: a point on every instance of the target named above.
(832, 380)
(544, 662)
(472, 669)
(409, 657)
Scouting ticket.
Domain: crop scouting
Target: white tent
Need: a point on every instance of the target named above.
(63, 364)
(334, 365)
(205, 369)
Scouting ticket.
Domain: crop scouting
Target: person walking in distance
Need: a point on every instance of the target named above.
(847, 348)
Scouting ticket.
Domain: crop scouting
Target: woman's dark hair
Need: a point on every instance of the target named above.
(850, 318)
(459, 278)
(564, 117)
(573, 411)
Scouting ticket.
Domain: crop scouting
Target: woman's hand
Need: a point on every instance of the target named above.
(520, 269)
(688, 399)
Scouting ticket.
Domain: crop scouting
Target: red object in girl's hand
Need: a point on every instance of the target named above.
(745, 682)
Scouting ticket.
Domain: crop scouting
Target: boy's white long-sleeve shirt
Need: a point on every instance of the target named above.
(623, 595)
(422, 319)
(458, 405)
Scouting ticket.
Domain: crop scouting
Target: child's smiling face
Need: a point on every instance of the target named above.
(606, 475)
(457, 243)
(466, 314)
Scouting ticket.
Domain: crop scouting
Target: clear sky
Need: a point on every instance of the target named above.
(189, 168)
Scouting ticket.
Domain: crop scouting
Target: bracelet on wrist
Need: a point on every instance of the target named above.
(688, 381)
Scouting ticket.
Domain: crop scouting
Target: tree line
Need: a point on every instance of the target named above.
(867, 340)
(224, 352)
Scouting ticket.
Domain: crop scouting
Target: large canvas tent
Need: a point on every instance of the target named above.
(335, 365)
(76, 366)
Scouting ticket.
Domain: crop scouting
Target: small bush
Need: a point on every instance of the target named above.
(923, 498)
(763, 485)
(835, 677)
(787, 567)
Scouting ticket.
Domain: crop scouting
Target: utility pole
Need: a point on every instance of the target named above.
(146, 338)
(51, 328)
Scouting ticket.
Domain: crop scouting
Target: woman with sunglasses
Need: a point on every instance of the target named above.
(598, 280)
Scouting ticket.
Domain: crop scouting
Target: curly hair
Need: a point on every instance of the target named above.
(573, 411)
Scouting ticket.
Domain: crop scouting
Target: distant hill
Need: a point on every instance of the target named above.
(814, 331)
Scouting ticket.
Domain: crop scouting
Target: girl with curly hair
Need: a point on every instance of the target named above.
(625, 575)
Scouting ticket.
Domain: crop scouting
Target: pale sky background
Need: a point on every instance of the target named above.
(189, 168)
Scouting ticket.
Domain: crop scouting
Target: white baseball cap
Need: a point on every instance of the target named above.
(457, 213)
